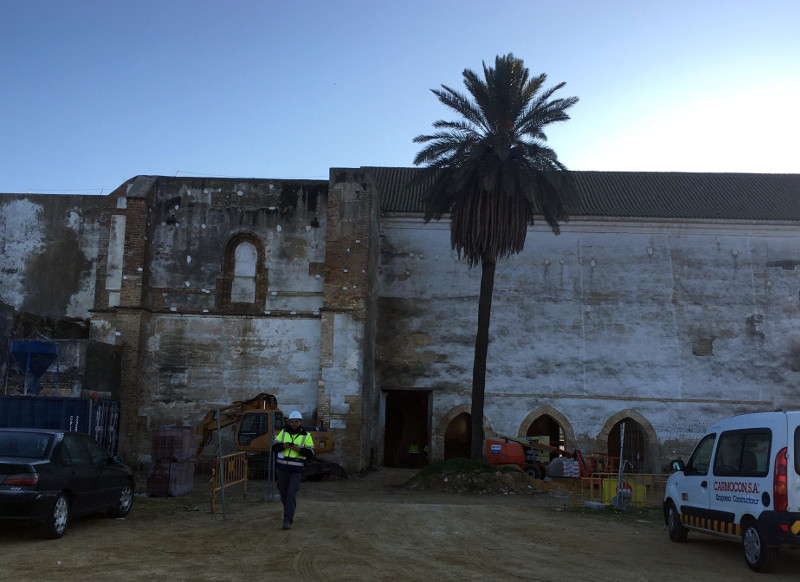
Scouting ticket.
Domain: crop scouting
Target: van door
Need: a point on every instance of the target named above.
(693, 489)
(740, 477)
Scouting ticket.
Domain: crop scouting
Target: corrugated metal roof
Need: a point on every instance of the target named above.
(642, 194)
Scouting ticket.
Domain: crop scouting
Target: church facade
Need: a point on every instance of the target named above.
(668, 301)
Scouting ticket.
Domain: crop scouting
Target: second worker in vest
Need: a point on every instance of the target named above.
(294, 447)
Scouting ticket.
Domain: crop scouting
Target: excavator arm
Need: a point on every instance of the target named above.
(230, 414)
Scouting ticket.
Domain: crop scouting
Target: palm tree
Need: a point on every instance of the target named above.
(492, 172)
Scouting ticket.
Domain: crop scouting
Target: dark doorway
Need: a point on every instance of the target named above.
(406, 428)
(546, 426)
(634, 446)
(458, 437)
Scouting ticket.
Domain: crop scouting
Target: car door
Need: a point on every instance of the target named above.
(693, 489)
(82, 474)
(109, 477)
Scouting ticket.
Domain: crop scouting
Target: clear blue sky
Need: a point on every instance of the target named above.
(95, 92)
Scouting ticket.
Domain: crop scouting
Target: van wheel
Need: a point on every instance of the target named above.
(759, 557)
(677, 533)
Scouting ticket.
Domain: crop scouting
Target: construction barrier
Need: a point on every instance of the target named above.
(645, 489)
(233, 472)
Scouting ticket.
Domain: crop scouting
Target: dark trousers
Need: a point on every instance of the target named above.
(288, 486)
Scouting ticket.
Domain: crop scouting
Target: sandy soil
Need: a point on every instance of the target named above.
(373, 528)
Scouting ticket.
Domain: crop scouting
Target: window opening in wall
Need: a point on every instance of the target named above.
(243, 286)
(458, 437)
(634, 446)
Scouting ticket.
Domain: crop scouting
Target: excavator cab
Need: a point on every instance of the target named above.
(255, 424)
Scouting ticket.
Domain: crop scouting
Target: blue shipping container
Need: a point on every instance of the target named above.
(99, 419)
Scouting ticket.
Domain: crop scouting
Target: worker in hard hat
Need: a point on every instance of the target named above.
(293, 447)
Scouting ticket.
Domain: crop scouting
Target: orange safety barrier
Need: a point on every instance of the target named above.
(233, 472)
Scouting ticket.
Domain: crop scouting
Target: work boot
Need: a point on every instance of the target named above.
(287, 525)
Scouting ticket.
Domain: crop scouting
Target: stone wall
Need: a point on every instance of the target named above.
(676, 324)
(214, 289)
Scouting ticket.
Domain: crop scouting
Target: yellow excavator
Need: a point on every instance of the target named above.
(257, 420)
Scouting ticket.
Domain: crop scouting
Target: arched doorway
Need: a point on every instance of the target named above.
(634, 446)
(547, 421)
(458, 437)
(547, 431)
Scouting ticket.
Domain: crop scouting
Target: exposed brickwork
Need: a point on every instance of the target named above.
(346, 375)
(129, 319)
(348, 240)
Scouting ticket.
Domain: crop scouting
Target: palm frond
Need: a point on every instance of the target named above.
(492, 170)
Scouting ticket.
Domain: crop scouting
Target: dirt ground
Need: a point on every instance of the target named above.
(372, 527)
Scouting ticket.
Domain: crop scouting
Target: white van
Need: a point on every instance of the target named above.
(741, 482)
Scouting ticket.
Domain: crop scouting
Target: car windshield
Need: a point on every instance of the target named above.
(29, 445)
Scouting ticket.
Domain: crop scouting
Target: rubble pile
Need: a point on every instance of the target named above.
(505, 481)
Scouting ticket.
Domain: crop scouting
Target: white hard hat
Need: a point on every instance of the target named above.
(295, 414)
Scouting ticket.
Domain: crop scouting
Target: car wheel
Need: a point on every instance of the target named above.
(124, 503)
(677, 533)
(56, 523)
(759, 557)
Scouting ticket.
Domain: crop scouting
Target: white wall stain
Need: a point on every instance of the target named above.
(22, 236)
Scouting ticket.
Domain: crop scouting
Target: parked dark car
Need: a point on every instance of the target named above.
(51, 476)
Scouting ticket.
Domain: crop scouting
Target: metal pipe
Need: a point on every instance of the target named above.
(219, 463)
(621, 465)
(27, 367)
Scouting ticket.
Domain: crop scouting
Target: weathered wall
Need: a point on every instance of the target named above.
(202, 325)
(681, 323)
(49, 246)
(193, 221)
(193, 364)
(328, 304)
(346, 378)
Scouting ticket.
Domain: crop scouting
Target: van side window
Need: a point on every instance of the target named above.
(700, 460)
(743, 453)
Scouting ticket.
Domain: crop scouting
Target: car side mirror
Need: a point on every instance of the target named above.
(677, 465)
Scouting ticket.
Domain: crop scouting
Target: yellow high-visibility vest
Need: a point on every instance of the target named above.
(289, 457)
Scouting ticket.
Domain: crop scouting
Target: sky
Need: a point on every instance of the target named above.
(96, 92)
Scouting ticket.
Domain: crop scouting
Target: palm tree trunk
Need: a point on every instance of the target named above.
(481, 352)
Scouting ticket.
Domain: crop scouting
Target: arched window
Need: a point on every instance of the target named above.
(242, 284)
